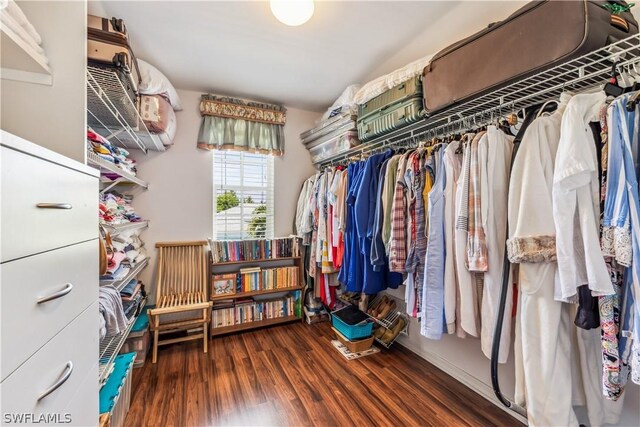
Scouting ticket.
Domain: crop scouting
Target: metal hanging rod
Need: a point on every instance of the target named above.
(580, 74)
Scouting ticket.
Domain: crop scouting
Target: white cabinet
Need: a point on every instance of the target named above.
(48, 286)
(48, 380)
(46, 292)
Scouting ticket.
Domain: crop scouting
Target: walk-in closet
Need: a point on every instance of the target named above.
(319, 213)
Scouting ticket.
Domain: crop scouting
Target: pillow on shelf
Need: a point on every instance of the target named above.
(155, 83)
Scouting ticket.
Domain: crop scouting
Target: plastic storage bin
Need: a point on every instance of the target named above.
(139, 339)
(115, 395)
(351, 323)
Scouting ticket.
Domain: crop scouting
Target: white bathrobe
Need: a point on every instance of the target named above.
(543, 326)
(557, 365)
(494, 154)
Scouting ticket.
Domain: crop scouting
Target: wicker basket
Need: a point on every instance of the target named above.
(354, 346)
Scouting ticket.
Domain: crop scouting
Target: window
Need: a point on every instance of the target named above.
(242, 195)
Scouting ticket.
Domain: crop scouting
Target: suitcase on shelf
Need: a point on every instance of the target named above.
(334, 146)
(390, 118)
(540, 35)
(108, 45)
(406, 90)
(344, 122)
(113, 25)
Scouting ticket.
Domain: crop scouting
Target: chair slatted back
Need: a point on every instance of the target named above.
(182, 272)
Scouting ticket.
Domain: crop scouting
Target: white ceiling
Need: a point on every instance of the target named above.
(238, 48)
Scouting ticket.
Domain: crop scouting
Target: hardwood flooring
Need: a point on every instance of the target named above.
(291, 375)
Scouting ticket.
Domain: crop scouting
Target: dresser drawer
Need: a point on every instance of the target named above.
(85, 405)
(27, 325)
(68, 202)
(72, 354)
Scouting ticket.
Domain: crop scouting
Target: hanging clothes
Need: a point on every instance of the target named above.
(494, 154)
(467, 281)
(398, 237)
(452, 163)
(575, 202)
(476, 243)
(542, 350)
(622, 212)
(432, 306)
(364, 215)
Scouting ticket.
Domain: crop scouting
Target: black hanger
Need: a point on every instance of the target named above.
(612, 88)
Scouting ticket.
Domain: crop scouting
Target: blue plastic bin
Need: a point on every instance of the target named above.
(352, 323)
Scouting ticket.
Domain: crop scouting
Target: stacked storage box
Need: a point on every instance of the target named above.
(333, 136)
(115, 395)
(353, 328)
(391, 110)
(139, 339)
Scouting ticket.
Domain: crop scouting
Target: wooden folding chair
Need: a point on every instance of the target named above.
(181, 288)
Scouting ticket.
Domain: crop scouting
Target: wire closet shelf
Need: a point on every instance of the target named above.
(580, 74)
(113, 114)
(110, 346)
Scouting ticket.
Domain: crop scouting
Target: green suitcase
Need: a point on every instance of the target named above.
(390, 118)
(406, 90)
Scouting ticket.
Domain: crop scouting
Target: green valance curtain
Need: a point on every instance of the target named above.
(235, 124)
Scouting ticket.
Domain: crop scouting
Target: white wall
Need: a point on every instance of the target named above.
(179, 201)
(53, 116)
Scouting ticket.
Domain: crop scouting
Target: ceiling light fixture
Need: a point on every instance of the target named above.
(292, 12)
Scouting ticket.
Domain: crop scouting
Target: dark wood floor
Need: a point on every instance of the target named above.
(291, 375)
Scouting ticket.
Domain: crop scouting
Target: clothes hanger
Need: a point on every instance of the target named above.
(611, 88)
(544, 111)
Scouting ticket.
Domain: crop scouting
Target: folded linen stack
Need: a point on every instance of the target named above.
(109, 152)
(128, 250)
(13, 19)
(112, 318)
(115, 209)
(132, 295)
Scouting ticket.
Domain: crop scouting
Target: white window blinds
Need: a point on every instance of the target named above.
(242, 195)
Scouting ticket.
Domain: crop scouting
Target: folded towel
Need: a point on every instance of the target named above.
(16, 13)
(111, 309)
(12, 25)
(130, 288)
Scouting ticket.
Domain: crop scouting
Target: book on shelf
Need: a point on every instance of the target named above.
(251, 250)
(255, 279)
(248, 310)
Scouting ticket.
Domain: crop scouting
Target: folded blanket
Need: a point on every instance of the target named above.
(111, 309)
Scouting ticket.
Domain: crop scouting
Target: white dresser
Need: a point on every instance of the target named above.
(48, 286)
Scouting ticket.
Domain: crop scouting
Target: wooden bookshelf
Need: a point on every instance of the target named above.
(218, 264)
(224, 268)
(254, 293)
(253, 325)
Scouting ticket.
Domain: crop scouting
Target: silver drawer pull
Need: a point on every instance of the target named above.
(62, 292)
(63, 378)
(54, 205)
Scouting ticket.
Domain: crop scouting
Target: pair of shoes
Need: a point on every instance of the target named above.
(374, 310)
(386, 309)
(396, 327)
(379, 332)
(363, 303)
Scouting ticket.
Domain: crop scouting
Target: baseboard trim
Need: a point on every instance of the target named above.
(468, 380)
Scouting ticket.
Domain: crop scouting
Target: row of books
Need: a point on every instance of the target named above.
(255, 279)
(251, 250)
(249, 310)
